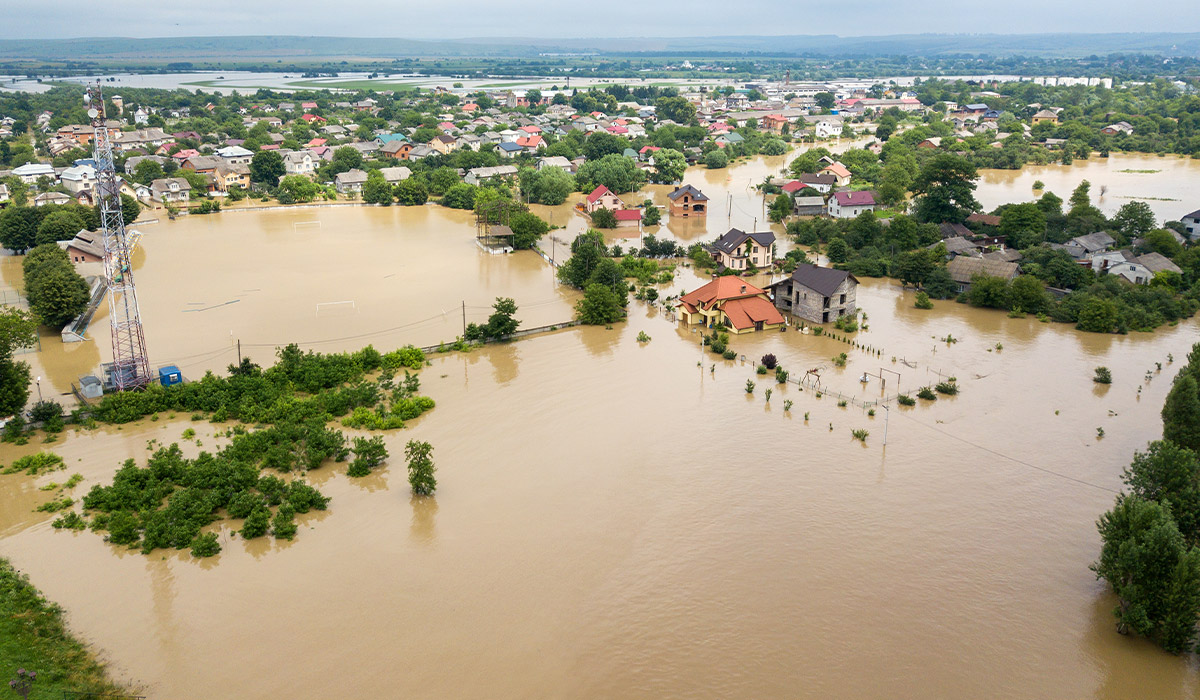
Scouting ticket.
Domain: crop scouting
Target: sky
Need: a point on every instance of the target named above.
(434, 19)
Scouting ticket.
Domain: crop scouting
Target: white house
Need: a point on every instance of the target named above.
(30, 172)
(235, 155)
(847, 205)
(1191, 222)
(79, 178)
(298, 163)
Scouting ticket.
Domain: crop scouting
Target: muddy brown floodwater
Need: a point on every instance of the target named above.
(613, 520)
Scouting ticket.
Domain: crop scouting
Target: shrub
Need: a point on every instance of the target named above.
(769, 361)
(256, 525)
(368, 454)
(749, 386)
(947, 388)
(860, 435)
(787, 405)
(923, 301)
(781, 375)
(43, 411)
(761, 369)
(70, 521)
(729, 354)
(283, 525)
(840, 360)
(927, 394)
(205, 545)
(1102, 376)
(38, 463)
(642, 337)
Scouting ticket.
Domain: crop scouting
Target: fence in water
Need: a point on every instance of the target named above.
(522, 333)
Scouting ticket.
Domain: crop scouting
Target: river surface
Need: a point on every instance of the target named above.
(613, 520)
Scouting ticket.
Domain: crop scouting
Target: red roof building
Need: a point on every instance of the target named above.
(731, 303)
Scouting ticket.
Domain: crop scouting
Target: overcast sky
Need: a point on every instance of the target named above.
(433, 19)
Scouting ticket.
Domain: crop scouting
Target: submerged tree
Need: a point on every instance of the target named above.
(420, 467)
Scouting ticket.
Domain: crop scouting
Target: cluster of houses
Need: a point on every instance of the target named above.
(827, 192)
(811, 293)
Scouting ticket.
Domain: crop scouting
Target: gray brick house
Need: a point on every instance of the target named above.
(816, 294)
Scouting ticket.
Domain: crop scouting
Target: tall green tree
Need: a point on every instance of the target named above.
(376, 190)
(587, 250)
(1170, 475)
(1023, 225)
(1181, 413)
(599, 306)
(1153, 572)
(17, 330)
(669, 165)
(18, 228)
(945, 189)
(614, 171)
(266, 167)
(421, 468)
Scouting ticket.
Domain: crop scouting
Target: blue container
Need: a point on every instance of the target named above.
(169, 375)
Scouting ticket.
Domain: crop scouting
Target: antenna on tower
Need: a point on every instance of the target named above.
(130, 367)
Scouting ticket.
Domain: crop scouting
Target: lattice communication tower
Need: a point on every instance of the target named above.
(131, 365)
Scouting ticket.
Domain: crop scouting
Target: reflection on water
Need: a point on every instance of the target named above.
(637, 526)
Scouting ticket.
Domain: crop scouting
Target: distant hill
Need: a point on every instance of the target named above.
(294, 48)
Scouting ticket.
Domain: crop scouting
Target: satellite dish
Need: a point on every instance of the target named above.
(93, 113)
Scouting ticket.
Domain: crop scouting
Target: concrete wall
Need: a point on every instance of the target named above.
(811, 306)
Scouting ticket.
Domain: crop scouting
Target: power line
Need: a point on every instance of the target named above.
(1009, 457)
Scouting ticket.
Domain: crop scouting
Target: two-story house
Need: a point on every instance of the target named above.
(738, 250)
(816, 294)
(687, 201)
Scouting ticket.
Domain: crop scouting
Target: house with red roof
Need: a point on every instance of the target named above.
(181, 156)
(628, 217)
(312, 118)
(773, 123)
(729, 303)
(602, 198)
(532, 143)
(530, 130)
(308, 105)
(617, 130)
(839, 171)
(469, 107)
(847, 205)
(648, 149)
(314, 143)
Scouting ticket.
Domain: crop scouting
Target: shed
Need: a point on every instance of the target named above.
(169, 375)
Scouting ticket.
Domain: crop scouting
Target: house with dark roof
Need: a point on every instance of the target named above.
(963, 269)
(847, 205)
(688, 201)
(738, 250)
(821, 182)
(808, 206)
(1191, 223)
(1085, 246)
(731, 303)
(816, 294)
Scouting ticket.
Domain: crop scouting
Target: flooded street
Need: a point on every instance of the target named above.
(611, 519)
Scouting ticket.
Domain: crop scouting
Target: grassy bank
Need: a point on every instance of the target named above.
(33, 636)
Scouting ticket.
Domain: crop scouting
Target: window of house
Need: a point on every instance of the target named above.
(843, 299)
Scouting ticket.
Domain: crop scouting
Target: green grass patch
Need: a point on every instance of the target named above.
(34, 636)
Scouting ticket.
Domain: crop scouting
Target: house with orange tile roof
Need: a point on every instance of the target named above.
(839, 171)
(729, 303)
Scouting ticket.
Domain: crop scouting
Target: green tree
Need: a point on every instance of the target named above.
(599, 306)
(669, 165)
(1162, 241)
(939, 284)
(147, 171)
(615, 171)
(838, 251)
(17, 330)
(411, 192)
(716, 159)
(1169, 474)
(676, 109)
(944, 189)
(604, 218)
(420, 467)
(527, 228)
(989, 292)
(1027, 293)
(781, 207)
(368, 454)
(1154, 574)
(460, 196)
(1023, 225)
(503, 321)
(1099, 315)
(651, 214)
(376, 190)
(825, 100)
(600, 144)
(1133, 220)
(130, 209)
(18, 228)
(266, 167)
(1181, 413)
(344, 159)
(57, 294)
(549, 186)
(299, 188)
(587, 250)
(59, 225)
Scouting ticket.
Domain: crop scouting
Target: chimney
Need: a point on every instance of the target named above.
(743, 289)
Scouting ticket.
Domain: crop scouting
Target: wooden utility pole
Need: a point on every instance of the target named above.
(239, 352)
(464, 314)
